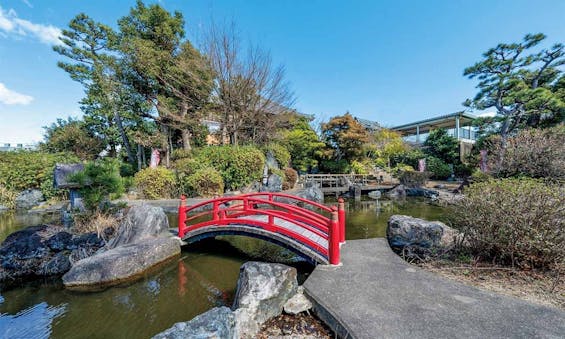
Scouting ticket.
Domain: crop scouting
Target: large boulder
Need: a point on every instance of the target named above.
(140, 222)
(271, 162)
(218, 322)
(120, 264)
(274, 183)
(311, 191)
(42, 250)
(398, 191)
(262, 291)
(28, 199)
(421, 192)
(418, 235)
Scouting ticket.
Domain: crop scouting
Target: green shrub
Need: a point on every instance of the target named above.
(514, 221)
(128, 183)
(156, 183)
(7, 197)
(281, 154)
(181, 153)
(188, 166)
(31, 169)
(463, 170)
(126, 169)
(205, 182)
(413, 179)
(479, 176)
(239, 166)
(400, 168)
(409, 158)
(334, 166)
(437, 168)
(100, 181)
(358, 167)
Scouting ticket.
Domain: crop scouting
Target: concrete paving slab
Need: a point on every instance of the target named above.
(376, 294)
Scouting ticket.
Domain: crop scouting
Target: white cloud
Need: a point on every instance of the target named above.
(10, 97)
(10, 24)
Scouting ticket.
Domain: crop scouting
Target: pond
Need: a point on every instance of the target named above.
(203, 277)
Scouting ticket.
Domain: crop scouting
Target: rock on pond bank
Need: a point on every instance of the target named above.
(418, 236)
(142, 242)
(263, 291)
(39, 251)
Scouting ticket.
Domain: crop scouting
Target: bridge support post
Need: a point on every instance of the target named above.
(334, 237)
(182, 216)
(341, 217)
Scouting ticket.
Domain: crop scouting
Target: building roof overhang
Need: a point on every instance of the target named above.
(444, 121)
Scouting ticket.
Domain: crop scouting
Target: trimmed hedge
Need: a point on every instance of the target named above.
(32, 169)
(238, 166)
(156, 183)
(205, 182)
(437, 168)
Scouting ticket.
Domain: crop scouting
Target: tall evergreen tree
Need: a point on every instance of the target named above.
(521, 84)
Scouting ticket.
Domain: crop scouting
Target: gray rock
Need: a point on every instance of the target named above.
(58, 264)
(42, 250)
(311, 191)
(120, 264)
(298, 303)
(28, 199)
(262, 291)
(274, 183)
(3, 209)
(218, 322)
(141, 222)
(421, 192)
(418, 234)
(271, 162)
(397, 191)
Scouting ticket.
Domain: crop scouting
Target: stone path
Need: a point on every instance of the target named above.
(375, 294)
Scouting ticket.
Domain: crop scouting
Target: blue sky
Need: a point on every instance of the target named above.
(388, 61)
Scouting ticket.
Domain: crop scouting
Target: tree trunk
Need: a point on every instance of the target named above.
(185, 132)
(165, 144)
(125, 140)
(503, 140)
(139, 157)
(186, 140)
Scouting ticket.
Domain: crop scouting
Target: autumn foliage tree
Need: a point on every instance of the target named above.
(346, 137)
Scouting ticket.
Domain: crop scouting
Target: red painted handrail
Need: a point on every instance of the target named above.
(223, 212)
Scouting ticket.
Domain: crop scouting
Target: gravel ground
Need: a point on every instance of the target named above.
(294, 326)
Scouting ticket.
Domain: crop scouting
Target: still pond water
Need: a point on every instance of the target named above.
(203, 277)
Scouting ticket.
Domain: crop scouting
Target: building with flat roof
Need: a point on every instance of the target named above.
(458, 125)
(6, 147)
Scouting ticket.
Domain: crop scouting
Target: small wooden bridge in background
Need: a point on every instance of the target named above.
(342, 183)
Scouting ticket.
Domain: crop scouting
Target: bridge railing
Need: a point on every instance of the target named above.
(235, 209)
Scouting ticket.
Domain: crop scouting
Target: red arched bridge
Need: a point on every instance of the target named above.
(311, 230)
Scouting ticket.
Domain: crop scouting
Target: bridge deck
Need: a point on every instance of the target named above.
(293, 227)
